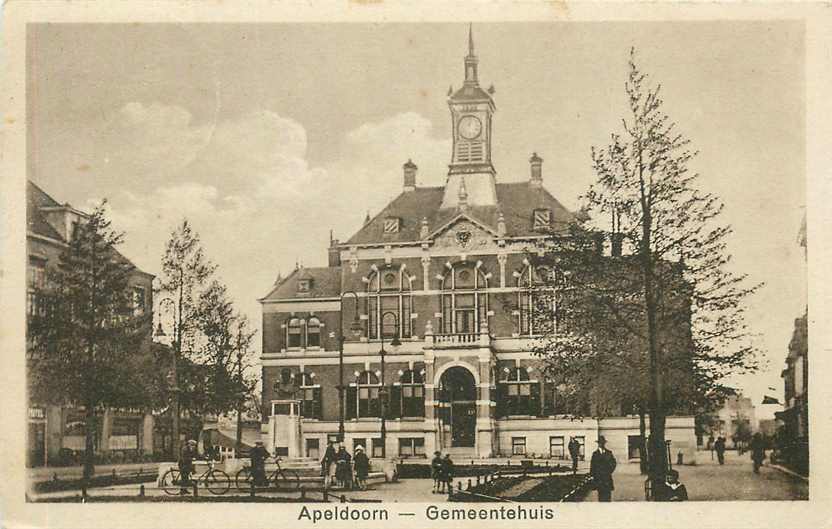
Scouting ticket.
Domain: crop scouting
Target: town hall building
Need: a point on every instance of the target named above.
(418, 334)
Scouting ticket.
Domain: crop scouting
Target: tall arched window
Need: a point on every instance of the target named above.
(412, 393)
(464, 301)
(536, 301)
(363, 396)
(313, 332)
(310, 406)
(389, 291)
(294, 332)
(517, 394)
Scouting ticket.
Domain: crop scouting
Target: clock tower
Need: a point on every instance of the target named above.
(471, 109)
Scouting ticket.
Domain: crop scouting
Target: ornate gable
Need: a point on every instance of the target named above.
(464, 234)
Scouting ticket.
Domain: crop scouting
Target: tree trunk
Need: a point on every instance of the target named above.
(642, 448)
(90, 429)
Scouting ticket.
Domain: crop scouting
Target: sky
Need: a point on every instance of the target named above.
(267, 136)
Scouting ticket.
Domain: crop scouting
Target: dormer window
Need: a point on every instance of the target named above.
(304, 285)
(541, 219)
(391, 225)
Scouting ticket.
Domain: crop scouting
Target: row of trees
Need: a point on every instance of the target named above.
(90, 347)
(659, 326)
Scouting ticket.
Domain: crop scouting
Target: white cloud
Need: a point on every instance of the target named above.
(248, 189)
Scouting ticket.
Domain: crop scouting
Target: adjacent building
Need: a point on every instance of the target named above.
(793, 438)
(417, 335)
(55, 432)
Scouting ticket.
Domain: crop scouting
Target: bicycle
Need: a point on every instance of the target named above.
(216, 481)
(281, 476)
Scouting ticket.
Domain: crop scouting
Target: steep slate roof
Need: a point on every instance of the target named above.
(326, 283)
(35, 221)
(516, 200)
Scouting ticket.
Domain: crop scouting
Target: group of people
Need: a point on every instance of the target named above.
(346, 471)
(442, 473)
(758, 450)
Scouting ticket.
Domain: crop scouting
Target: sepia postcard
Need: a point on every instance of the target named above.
(433, 264)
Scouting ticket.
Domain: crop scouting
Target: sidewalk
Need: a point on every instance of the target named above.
(709, 481)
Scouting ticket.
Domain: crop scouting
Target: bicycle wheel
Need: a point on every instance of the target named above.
(170, 482)
(289, 479)
(243, 478)
(217, 482)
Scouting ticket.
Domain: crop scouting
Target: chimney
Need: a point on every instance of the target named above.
(409, 175)
(424, 230)
(617, 242)
(334, 254)
(536, 166)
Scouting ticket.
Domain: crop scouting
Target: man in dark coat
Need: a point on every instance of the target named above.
(448, 472)
(327, 462)
(719, 447)
(258, 456)
(436, 472)
(601, 468)
(574, 452)
(758, 451)
(186, 465)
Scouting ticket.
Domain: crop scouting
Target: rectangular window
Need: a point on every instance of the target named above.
(411, 447)
(378, 448)
(294, 336)
(310, 406)
(368, 402)
(633, 446)
(413, 400)
(518, 446)
(556, 447)
(313, 448)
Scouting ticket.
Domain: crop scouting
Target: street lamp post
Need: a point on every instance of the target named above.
(177, 344)
(383, 393)
(355, 328)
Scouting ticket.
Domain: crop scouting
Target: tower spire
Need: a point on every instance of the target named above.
(471, 60)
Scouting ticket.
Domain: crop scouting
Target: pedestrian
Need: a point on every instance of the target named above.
(448, 473)
(258, 456)
(719, 446)
(328, 464)
(674, 491)
(711, 445)
(601, 468)
(758, 451)
(436, 471)
(362, 467)
(343, 471)
(574, 452)
(186, 466)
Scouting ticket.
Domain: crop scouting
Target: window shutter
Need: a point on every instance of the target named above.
(319, 406)
(352, 398)
(394, 410)
(501, 400)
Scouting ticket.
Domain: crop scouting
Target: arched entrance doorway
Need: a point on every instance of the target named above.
(458, 407)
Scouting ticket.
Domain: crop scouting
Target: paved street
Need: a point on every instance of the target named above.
(708, 481)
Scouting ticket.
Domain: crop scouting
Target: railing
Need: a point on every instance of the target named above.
(480, 339)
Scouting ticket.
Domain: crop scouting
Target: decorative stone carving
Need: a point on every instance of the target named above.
(466, 236)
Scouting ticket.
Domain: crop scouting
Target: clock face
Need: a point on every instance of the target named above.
(470, 127)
